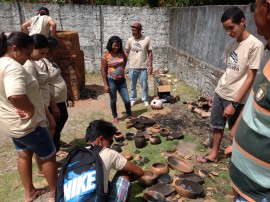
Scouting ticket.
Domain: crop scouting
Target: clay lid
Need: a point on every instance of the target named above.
(188, 189)
(180, 164)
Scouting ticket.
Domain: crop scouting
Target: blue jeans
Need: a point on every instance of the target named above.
(142, 75)
(121, 87)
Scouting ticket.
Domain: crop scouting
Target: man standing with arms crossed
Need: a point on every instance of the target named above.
(243, 56)
(139, 51)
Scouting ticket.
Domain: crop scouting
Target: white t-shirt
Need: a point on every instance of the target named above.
(16, 81)
(40, 25)
(239, 58)
(138, 51)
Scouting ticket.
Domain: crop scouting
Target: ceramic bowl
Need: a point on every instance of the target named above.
(179, 164)
(130, 136)
(116, 147)
(153, 196)
(155, 128)
(139, 126)
(159, 168)
(165, 178)
(118, 136)
(164, 132)
(163, 188)
(147, 179)
(193, 177)
(128, 156)
(203, 173)
(155, 139)
(188, 189)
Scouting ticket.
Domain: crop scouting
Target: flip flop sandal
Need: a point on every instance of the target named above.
(38, 193)
(205, 159)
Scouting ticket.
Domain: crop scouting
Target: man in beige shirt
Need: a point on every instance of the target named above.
(139, 52)
(243, 57)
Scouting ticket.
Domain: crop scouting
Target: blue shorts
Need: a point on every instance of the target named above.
(217, 121)
(119, 190)
(39, 142)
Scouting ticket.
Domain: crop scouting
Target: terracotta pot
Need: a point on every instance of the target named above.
(156, 128)
(155, 139)
(118, 136)
(139, 126)
(165, 189)
(140, 141)
(165, 178)
(116, 147)
(180, 164)
(164, 132)
(188, 189)
(130, 136)
(147, 179)
(203, 173)
(128, 156)
(192, 177)
(159, 168)
(153, 196)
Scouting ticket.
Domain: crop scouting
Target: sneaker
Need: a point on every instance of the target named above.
(146, 103)
(115, 120)
(132, 103)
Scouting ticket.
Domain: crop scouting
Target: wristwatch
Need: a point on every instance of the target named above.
(235, 104)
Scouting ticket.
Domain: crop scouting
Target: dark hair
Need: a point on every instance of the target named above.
(40, 41)
(43, 11)
(99, 128)
(234, 13)
(114, 39)
(53, 42)
(19, 39)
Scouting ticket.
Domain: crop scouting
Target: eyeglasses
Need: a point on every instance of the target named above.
(252, 7)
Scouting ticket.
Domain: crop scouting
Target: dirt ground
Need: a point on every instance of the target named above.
(194, 129)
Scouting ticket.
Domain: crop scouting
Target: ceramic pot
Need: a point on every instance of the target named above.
(188, 189)
(164, 132)
(118, 136)
(130, 136)
(165, 178)
(140, 141)
(180, 164)
(192, 177)
(159, 168)
(203, 173)
(155, 139)
(153, 196)
(116, 147)
(156, 104)
(139, 126)
(155, 128)
(128, 156)
(147, 179)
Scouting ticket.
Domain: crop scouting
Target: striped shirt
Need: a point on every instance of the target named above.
(250, 163)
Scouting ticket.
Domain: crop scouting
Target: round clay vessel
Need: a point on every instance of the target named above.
(203, 173)
(193, 177)
(139, 126)
(118, 136)
(188, 189)
(155, 128)
(116, 147)
(130, 136)
(140, 141)
(153, 196)
(128, 156)
(164, 132)
(159, 168)
(165, 178)
(147, 179)
(180, 164)
(155, 139)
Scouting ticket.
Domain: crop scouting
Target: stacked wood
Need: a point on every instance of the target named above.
(200, 107)
(70, 59)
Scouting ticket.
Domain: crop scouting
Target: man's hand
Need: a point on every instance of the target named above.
(23, 114)
(56, 112)
(106, 89)
(150, 70)
(229, 111)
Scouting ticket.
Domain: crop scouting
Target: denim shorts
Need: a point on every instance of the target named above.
(39, 142)
(217, 121)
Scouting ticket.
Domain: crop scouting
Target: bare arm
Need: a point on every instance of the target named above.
(150, 58)
(26, 25)
(51, 121)
(23, 105)
(53, 25)
(135, 171)
(55, 110)
(229, 111)
(104, 70)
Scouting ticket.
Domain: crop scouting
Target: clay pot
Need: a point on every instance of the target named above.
(165, 189)
(116, 147)
(188, 189)
(128, 156)
(165, 178)
(153, 196)
(155, 139)
(130, 136)
(155, 128)
(179, 164)
(159, 168)
(139, 126)
(140, 141)
(164, 132)
(118, 136)
(203, 173)
(147, 179)
(147, 136)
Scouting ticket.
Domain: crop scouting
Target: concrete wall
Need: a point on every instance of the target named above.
(190, 41)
